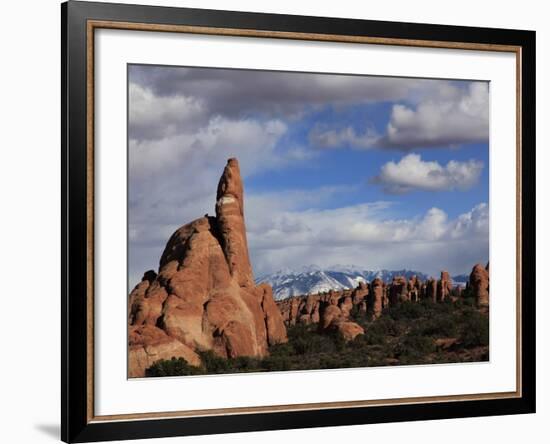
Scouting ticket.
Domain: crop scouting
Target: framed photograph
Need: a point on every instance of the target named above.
(275, 221)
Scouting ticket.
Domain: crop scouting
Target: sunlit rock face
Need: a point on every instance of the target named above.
(479, 282)
(204, 296)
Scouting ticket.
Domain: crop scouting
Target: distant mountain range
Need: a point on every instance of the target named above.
(312, 279)
(460, 279)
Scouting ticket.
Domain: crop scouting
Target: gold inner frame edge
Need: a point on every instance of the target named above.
(234, 32)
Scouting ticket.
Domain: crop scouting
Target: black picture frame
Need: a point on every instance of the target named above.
(76, 423)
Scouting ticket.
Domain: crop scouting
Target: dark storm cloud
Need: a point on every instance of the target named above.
(191, 96)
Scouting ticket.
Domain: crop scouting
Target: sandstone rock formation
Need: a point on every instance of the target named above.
(204, 296)
(431, 289)
(330, 310)
(348, 329)
(377, 291)
(230, 224)
(398, 290)
(360, 297)
(444, 286)
(149, 344)
(479, 282)
(334, 307)
(335, 313)
(413, 289)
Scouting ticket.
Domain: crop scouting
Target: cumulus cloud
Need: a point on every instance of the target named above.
(187, 167)
(173, 180)
(459, 119)
(448, 116)
(236, 94)
(251, 140)
(474, 222)
(293, 228)
(366, 235)
(412, 173)
(185, 123)
(156, 117)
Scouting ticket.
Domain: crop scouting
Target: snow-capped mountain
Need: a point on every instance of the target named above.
(460, 279)
(312, 279)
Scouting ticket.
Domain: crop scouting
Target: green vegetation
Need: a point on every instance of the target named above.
(172, 367)
(411, 333)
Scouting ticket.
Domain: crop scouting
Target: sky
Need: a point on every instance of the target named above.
(372, 172)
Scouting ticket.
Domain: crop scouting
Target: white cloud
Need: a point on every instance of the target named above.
(185, 123)
(453, 119)
(447, 115)
(474, 222)
(172, 100)
(252, 141)
(412, 173)
(366, 235)
(157, 117)
(289, 229)
(322, 137)
(173, 180)
(238, 93)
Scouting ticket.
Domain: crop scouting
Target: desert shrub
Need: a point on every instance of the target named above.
(468, 293)
(475, 330)
(245, 363)
(338, 340)
(465, 302)
(404, 334)
(330, 361)
(468, 297)
(386, 326)
(172, 367)
(447, 307)
(406, 310)
(299, 331)
(373, 336)
(348, 360)
(213, 363)
(360, 342)
(438, 326)
(414, 346)
(315, 343)
(276, 363)
(285, 349)
(305, 339)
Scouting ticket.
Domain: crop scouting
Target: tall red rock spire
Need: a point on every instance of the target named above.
(204, 296)
(231, 225)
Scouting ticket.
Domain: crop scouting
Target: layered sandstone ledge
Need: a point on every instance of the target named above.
(204, 296)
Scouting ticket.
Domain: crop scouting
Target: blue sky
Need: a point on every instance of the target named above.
(367, 171)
